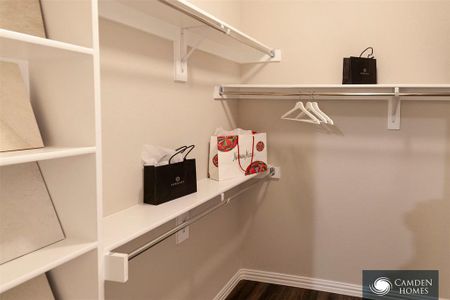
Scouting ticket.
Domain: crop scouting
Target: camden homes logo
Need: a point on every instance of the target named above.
(401, 285)
(381, 286)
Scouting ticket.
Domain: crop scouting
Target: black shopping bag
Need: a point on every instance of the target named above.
(360, 70)
(168, 182)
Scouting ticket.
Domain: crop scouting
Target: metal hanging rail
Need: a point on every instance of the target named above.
(217, 25)
(185, 224)
(174, 230)
(394, 94)
(234, 95)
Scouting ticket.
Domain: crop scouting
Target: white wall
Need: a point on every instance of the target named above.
(364, 197)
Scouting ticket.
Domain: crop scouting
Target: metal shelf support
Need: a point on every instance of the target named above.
(394, 106)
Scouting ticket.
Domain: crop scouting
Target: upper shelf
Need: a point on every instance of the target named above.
(27, 47)
(128, 224)
(333, 91)
(166, 18)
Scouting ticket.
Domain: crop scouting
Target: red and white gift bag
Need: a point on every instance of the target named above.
(237, 153)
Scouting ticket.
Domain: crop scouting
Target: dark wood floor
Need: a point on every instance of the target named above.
(252, 290)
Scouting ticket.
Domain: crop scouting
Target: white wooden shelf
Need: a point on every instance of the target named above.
(27, 47)
(338, 86)
(264, 91)
(23, 156)
(126, 225)
(64, 88)
(187, 25)
(38, 262)
(392, 93)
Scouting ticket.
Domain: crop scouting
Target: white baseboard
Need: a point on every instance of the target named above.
(316, 284)
(289, 280)
(229, 286)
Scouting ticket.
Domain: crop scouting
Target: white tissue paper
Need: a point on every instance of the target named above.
(159, 156)
(238, 131)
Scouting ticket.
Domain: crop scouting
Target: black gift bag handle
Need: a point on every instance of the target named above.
(370, 55)
(181, 150)
(191, 147)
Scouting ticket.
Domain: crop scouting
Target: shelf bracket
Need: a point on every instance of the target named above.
(183, 234)
(181, 55)
(394, 106)
(179, 52)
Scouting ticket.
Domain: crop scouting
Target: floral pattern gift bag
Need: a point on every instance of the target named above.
(237, 153)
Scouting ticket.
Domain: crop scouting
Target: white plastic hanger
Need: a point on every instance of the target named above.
(310, 107)
(318, 111)
(303, 111)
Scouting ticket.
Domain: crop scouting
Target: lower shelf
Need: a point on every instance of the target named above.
(126, 225)
(28, 266)
(23, 156)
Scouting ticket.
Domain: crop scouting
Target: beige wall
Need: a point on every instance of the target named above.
(141, 104)
(365, 198)
(228, 11)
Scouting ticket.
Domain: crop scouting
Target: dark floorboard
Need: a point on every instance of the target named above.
(252, 290)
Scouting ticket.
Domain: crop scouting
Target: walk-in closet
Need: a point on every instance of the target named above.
(224, 149)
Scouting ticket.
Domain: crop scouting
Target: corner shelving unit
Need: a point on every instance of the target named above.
(64, 73)
(188, 26)
(64, 92)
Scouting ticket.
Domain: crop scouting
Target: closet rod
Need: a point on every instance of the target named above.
(185, 9)
(332, 94)
(181, 226)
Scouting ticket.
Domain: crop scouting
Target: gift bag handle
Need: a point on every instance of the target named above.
(181, 150)
(239, 154)
(191, 147)
(370, 55)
